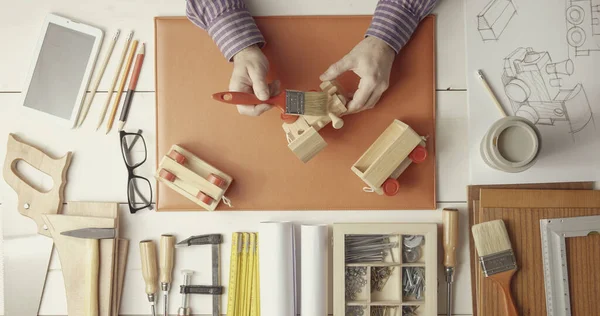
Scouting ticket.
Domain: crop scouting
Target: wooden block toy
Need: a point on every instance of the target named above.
(394, 274)
(393, 151)
(302, 132)
(193, 178)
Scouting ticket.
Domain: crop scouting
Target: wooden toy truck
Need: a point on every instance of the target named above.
(302, 132)
(395, 149)
(193, 178)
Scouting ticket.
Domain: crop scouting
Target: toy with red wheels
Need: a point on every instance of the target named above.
(193, 178)
(388, 157)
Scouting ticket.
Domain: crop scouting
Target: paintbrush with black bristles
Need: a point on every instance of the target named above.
(290, 101)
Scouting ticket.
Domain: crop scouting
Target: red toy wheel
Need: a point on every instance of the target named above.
(216, 180)
(391, 187)
(289, 118)
(204, 198)
(418, 155)
(179, 158)
(167, 175)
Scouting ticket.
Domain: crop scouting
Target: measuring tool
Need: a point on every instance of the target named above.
(556, 274)
(215, 240)
(243, 296)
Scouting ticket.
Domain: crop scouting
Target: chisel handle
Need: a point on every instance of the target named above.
(92, 271)
(149, 269)
(450, 238)
(166, 258)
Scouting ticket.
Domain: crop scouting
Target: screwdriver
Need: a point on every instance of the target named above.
(166, 256)
(450, 220)
(149, 271)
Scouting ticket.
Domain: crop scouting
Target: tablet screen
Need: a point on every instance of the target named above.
(59, 71)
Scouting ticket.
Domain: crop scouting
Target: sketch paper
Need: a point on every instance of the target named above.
(542, 60)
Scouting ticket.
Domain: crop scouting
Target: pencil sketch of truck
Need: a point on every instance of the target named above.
(534, 85)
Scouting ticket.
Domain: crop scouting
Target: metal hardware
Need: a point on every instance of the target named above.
(355, 310)
(409, 310)
(413, 241)
(356, 279)
(379, 277)
(368, 248)
(413, 282)
(412, 255)
(184, 310)
(384, 310)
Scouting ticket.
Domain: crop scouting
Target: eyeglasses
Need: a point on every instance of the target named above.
(135, 153)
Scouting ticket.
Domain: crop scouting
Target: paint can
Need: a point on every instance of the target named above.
(511, 145)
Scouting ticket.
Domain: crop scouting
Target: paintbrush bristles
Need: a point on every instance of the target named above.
(315, 103)
(491, 237)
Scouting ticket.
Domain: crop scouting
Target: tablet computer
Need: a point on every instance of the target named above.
(64, 60)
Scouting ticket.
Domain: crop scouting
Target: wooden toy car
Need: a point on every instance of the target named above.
(193, 178)
(302, 132)
(393, 151)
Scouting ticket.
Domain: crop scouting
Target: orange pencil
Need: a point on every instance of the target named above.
(135, 75)
(115, 107)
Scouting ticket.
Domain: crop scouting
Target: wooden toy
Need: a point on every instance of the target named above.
(395, 149)
(385, 269)
(193, 178)
(302, 134)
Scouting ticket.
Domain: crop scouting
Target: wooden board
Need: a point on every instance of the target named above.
(254, 151)
(473, 193)
(521, 210)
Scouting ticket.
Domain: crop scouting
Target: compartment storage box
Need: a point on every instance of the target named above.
(385, 269)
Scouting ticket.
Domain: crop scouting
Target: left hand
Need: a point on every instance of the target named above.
(371, 60)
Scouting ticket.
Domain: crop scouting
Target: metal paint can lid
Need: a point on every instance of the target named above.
(512, 144)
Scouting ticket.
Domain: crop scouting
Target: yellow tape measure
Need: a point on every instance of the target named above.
(243, 298)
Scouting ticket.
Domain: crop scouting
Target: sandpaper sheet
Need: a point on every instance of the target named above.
(473, 193)
(267, 175)
(521, 210)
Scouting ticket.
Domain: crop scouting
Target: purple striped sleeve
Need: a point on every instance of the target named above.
(228, 22)
(394, 21)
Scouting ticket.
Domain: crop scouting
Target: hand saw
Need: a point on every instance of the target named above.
(29, 255)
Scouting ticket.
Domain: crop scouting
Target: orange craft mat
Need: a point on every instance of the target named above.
(253, 150)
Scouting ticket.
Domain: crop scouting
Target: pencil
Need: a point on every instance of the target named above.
(88, 101)
(135, 75)
(491, 93)
(124, 75)
(115, 78)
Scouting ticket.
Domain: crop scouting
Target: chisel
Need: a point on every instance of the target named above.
(166, 258)
(450, 220)
(149, 271)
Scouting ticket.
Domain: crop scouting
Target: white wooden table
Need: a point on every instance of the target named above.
(98, 173)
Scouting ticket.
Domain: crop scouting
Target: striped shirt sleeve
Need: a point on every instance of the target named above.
(228, 22)
(394, 21)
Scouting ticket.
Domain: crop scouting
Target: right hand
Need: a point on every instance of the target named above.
(250, 67)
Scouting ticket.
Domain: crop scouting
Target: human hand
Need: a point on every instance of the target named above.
(371, 60)
(250, 67)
